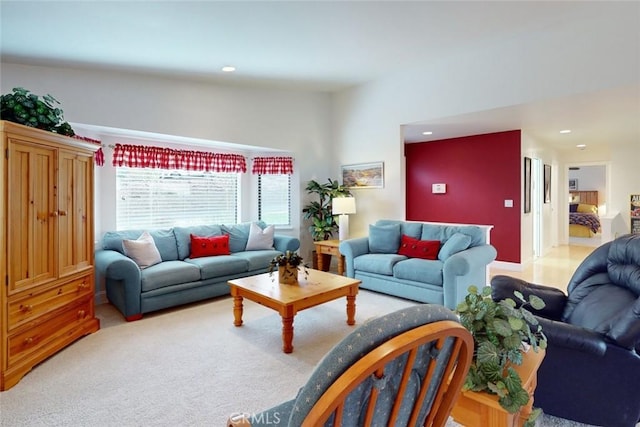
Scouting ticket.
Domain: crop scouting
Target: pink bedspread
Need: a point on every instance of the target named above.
(587, 219)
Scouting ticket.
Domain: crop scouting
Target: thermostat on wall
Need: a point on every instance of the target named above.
(439, 188)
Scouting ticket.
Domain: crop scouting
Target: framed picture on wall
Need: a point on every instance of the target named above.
(573, 184)
(527, 185)
(363, 175)
(547, 184)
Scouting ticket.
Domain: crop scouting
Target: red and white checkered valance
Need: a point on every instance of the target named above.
(141, 156)
(272, 166)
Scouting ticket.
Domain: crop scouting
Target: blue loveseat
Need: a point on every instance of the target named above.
(461, 260)
(179, 279)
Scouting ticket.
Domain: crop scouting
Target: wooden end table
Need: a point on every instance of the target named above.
(481, 409)
(318, 288)
(329, 247)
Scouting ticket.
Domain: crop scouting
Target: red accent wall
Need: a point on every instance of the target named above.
(480, 172)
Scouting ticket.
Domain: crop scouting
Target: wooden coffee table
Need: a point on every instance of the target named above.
(318, 288)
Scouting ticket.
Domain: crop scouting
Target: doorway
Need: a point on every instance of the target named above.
(589, 177)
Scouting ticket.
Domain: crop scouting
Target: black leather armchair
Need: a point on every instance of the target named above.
(591, 371)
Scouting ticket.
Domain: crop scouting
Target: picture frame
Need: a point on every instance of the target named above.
(573, 184)
(527, 185)
(363, 175)
(546, 196)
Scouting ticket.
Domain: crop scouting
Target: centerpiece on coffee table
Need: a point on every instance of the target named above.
(288, 266)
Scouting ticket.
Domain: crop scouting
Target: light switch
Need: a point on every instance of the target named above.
(439, 188)
(508, 203)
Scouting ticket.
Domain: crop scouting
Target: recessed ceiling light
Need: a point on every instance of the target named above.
(581, 146)
(427, 133)
(228, 68)
(565, 131)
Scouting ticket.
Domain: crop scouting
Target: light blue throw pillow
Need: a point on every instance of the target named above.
(384, 239)
(456, 243)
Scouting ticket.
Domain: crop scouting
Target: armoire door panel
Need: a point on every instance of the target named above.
(31, 204)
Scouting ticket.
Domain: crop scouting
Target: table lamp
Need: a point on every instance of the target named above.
(343, 206)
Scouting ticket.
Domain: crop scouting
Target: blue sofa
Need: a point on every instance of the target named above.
(179, 279)
(461, 260)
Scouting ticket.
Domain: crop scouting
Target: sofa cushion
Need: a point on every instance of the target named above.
(143, 250)
(456, 243)
(218, 266)
(260, 239)
(183, 237)
(164, 240)
(239, 235)
(168, 273)
(209, 246)
(257, 260)
(411, 229)
(377, 263)
(419, 270)
(444, 233)
(384, 239)
(414, 248)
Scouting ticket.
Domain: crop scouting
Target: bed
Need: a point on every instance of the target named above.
(583, 214)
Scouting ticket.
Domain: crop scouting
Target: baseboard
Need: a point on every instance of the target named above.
(100, 298)
(503, 265)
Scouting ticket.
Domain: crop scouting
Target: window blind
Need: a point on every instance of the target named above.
(274, 199)
(159, 198)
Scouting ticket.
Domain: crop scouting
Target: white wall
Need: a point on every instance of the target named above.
(569, 59)
(363, 124)
(295, 121)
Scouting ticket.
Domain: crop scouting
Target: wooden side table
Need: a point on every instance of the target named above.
(481, 409)
(329, 247)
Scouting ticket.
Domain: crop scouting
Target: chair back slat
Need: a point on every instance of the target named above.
(444, 401)
(408, 368)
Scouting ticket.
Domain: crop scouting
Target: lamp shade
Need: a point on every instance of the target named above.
(343, 205)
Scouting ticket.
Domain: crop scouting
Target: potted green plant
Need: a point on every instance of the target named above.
(28, 109)
(323, 223)
(288, 265)
(501, 330)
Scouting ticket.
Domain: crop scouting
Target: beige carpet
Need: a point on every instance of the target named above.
(184, 367)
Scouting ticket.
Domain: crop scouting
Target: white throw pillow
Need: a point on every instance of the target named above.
(259, 238)
(143, 251)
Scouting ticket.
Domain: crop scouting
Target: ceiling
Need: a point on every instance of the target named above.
(313, 45)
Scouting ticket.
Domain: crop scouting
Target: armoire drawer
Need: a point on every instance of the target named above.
(46, 335)
(25, 308)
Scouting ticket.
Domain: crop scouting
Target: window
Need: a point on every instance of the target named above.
(160, 198)
(274, 199)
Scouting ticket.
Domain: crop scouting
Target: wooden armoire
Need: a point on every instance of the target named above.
(46, 239)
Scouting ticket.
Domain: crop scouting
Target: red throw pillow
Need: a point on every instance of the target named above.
(414, 248)
(209, 246)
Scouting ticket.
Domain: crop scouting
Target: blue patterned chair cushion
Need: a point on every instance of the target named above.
(357, 344)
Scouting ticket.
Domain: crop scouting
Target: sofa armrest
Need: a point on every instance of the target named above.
(352, 248)
(116, 267)
(560, 334)
(284, 243)
(463, 269)
(555, 300)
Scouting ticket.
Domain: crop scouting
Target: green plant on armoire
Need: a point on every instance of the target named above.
(23, 107)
